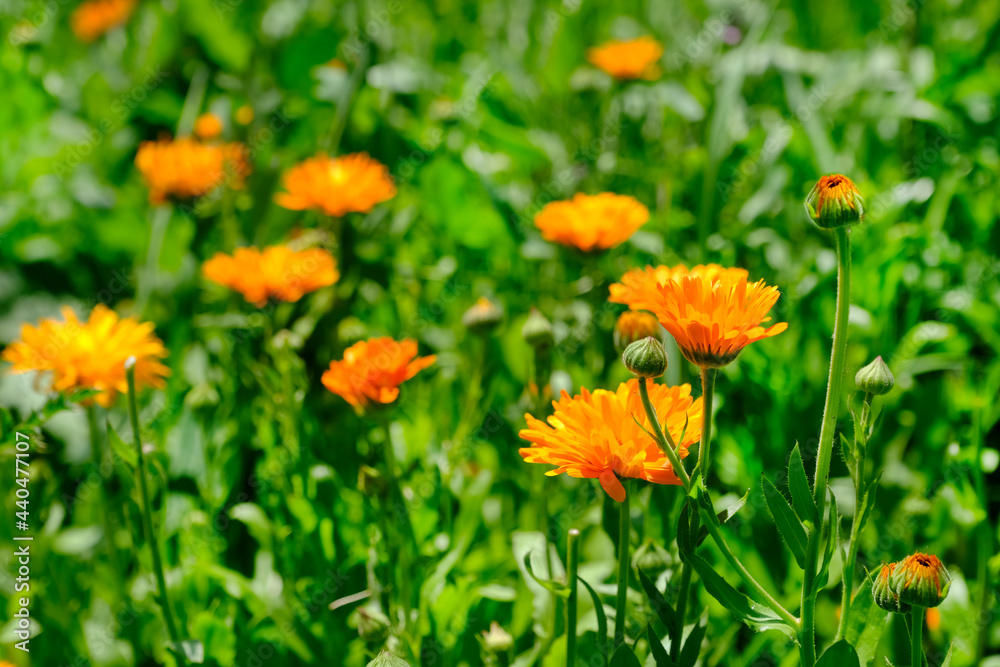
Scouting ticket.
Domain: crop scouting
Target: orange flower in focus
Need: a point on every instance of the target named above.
(638, 287)
(337, 186)
(594, 435)
(95, 17)
(186, 168)
(712, 315)
(91, 354)
(278, 272)
(207, 126)
(592, 222)
(632, 59)
(371, 371)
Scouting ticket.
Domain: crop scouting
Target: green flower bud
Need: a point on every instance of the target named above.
(373, 625)
(921, 580)
(835, 202)
(652, 559)
(875, 378)
(386, 659)
(537, 330)
(646, 358)
(496, 640)
(883, 593)
(482, 317)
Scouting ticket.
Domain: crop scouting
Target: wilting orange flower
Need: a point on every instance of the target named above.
(95, 17)
(594, 435)
(278, 272)
(371, 371)
(638, 287)
(632, 59)
(337, 186)
(592, 222)
(712, 314)
(207, 126)
(91, 354)
(186, 168)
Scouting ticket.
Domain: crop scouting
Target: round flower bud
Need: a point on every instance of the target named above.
(646, 358)
(373, 625)
(537, 330)
(921, 580)
(482, 317)
(496, 640)
(652, 559)
(835, 202)
(875, 378)
(386, 659)
(883, 593)
(633, 325)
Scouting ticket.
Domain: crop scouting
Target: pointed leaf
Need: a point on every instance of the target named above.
(685, 540)
(660, 654)
(788, 524)
(602, 619)
(667, 614)
(832, 535)
(847, 453)
(126, 452)
(556, 587)
(692, 647)
(624, 657)
(841, 654)
(865, 623)
(798, 486)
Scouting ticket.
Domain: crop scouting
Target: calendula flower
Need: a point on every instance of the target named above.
(592, 222)
(834, 202)
(95, 17)
(595, 435)
(91, 354)
(277, 272)
(185, 168)
(337, 186)
(207, 126)
(921, 580)
(638, 287)
(883, 593)
(632, 59)
(633, 325)
(711, 315)
(371, 371)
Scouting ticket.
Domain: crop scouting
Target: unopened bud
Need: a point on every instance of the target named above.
(652, 559)
(921, 580)
(537, 330)
(483, 316)
(386, 659)
(875, 378)
(646, 358)
(373, 625)
(835, 202)
(883, 593)
(633, 325)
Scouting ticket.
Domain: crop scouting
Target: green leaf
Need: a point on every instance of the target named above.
(832, 535)
(728, 513)
(685, 540)
(758, 616)
(798, 486)
(788, 524)
(556, 587)
(692, 647)
(121, 449)
(865, 623)
(192, 649)
(659, 603)
(602, 619)
(847, 453)
(660, 654)
(948, 656)
(624, 657)
(841, 654)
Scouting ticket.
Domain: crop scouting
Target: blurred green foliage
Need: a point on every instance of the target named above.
(483, 112)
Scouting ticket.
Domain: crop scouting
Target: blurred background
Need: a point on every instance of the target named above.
(483, 112)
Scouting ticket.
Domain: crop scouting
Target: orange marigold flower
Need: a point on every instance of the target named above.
(207, 126)
(278, 272)
(91, 354)
(592, 222)
(594, 435)
(638, 287)
(371, 371)
(186, 168)
(633, 325)
(712, 315)
(337, 186)
(632, 59)
(95, 17)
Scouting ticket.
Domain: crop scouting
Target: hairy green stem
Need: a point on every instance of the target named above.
(708, 394)
(838, 358)
(857, 526)
(681, 605)
(147, 515)
(666, 441)
(572, 564)
(624, 523)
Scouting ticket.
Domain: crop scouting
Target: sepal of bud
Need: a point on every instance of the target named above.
(633, 325)
(646, 358)
(835, 202)
(537, 330)
(883, 593)
(921, 580)
(875, 378)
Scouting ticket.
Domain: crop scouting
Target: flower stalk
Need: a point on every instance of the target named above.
(572, 567)
(708, 395)
(624, 525)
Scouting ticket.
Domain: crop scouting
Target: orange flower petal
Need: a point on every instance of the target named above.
(337, 186)
(371, 371)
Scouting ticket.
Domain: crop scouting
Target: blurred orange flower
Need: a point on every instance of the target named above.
(594, 435)
(638, 287)
(91, 354)
(185, 168)
(207, 126)
(278, 272)
(371, 371)
(592, 222)
(632, 59)
(633, 325)
(95, 17)
(337, 186)
(712, 314)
